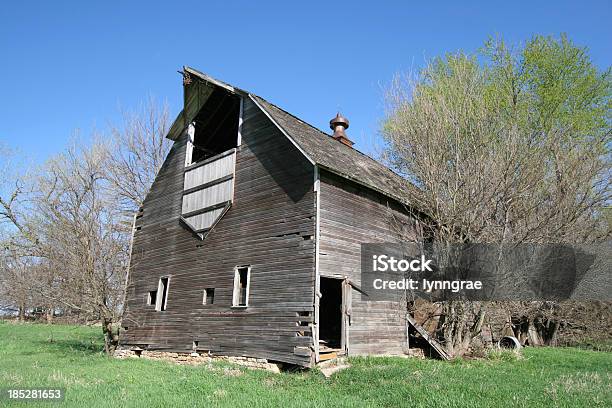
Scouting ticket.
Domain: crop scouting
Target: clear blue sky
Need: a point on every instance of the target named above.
(72, 65)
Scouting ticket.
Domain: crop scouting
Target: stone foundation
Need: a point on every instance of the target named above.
(197, 359)
(414, 352)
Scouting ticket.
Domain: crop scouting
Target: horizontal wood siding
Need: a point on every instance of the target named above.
(204, 220)
(207, 197)
(208, 172)
(269, 226)
(349, 216)
(207, 189)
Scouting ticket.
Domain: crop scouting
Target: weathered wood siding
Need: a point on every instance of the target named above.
(349, 216)
(213, 169)
(269, 226)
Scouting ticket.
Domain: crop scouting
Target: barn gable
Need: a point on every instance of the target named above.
(316, 145)
(247, 289)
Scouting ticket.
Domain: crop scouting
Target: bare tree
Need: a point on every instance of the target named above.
(80, 225)
(73, 230)
(67, 240)
(68, 244)
(15, 283)
(139, 148)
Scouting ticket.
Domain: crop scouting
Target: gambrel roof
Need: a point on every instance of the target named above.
(320, 148)
(336, 157)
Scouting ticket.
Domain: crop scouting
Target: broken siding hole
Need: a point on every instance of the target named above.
(303, 314)
(286, 235)
(302, 323)
(307, 237)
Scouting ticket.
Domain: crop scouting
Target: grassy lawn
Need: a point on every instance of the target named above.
(68, 356)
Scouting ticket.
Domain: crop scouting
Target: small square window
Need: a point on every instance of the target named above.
(151, 298)
(209, 296)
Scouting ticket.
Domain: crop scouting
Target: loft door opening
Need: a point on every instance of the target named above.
(330, 313)
(215, 127)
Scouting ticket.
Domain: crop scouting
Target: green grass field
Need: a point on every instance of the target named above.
(34, 355)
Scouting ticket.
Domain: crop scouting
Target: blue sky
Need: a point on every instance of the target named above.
(74, 65)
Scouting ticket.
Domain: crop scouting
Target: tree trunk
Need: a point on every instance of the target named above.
(49, 315)
(460, 326)
(111, 340)
(21, 316)
(533, 337)
(549, 332)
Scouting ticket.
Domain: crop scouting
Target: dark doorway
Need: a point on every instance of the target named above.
(330, 313)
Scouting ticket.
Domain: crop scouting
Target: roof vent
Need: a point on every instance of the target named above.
(338, 124)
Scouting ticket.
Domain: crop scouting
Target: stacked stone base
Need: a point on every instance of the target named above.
(415, 352)
(197, 359)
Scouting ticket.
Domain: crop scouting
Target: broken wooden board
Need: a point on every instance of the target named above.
(430, 340)
(327, 356)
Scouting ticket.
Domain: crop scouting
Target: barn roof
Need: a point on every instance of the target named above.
(326, 152)
(337, 157)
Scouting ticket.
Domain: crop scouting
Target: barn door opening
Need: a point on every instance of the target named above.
(333, 317)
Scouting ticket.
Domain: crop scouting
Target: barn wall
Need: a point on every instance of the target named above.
(270, 226)
(351, 215)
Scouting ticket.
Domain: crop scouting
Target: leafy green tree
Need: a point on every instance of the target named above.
(509, 145)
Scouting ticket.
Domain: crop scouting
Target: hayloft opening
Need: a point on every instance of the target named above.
(330, 313)
(215, 126)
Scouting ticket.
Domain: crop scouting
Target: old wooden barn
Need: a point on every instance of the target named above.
(248, 243)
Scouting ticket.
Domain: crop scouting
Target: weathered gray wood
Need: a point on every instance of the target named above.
(349, 216)
(430, 340)
(215, 194)
(221, 166)
(269, 226)
(208, 184)
(205, 220)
